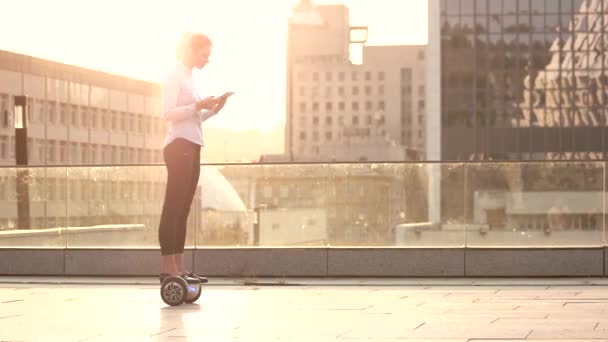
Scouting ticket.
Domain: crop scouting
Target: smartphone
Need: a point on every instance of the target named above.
(227, 94)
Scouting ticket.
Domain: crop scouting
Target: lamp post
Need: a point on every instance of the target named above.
(23, 196)
(358, 34)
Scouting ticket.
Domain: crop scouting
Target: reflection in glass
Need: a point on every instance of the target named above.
(535, 204)
(47, 209)
(539, 71)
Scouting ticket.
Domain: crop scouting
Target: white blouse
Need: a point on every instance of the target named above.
(179, 98)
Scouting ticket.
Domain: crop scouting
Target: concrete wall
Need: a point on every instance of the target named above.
(316, 262)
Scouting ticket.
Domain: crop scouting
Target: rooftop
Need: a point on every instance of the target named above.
(404, 309)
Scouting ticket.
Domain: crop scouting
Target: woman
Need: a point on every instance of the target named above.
(185, 111)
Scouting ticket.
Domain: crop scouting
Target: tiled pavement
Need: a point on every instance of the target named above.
(315, 310)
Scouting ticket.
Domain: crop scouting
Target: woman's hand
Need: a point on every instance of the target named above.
(220, 104)
(207, 103)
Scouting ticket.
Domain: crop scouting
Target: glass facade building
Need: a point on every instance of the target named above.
(522, 79)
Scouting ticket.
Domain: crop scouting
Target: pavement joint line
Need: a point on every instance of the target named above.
(423, 323)
(162, 332)
(337, 337)
(10, 316)
(13, 301)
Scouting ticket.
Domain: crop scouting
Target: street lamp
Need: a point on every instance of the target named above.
(23, 196)
(358, 34)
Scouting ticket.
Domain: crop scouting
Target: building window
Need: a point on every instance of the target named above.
(381, 76)
(302, 135)
(315, 136)
(368, 90)
(355, 90)
(50, 151)
(94, 152)
(328, 121)
(84, 153)
(341, 91)
(421, 55)
(341, 106)
(84, 118)
(381, 90)
(140, 123)
(328, 76)
(355, 106)
(368, 106)
(315, 120)
(11, 148)
(315, 107)
(355, 120)
(75, 120)
(341, 76)
(51, 112)
(355, 76)
(3, 147)
(302, 91)
(94, 119)
(381, 105)
(63, 115)
(315, 76)
(328, 107)
(63, 152)
(368, 76)
(328, 136)
(123, 121)
(148, 124)
(302, 107)
(41, 152)
(131, 118)
(284, 193)
(74, 153)
(114, 116)
(124, 155)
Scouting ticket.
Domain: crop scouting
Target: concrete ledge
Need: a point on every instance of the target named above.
(396, 262)
(305, 262)
(119, 262)
(528, 262)
(32, 261)
(315, 262)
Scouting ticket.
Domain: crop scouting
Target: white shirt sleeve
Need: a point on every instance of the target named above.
(205, 114)
(170, 93)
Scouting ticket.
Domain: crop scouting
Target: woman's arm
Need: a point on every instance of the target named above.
(171, 111)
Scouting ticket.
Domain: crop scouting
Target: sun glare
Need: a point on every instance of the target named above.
(137, 39)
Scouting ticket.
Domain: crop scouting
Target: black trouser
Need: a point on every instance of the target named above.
(183, 161)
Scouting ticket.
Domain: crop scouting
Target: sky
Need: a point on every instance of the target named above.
(137, 39)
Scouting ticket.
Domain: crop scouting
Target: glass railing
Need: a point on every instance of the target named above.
(528, 204)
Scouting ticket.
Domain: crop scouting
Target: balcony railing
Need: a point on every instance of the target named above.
(448, 205)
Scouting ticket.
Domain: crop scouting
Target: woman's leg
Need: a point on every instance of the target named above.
(178, 158)
(183, 219)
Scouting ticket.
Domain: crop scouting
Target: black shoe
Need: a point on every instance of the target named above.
(203, 280)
